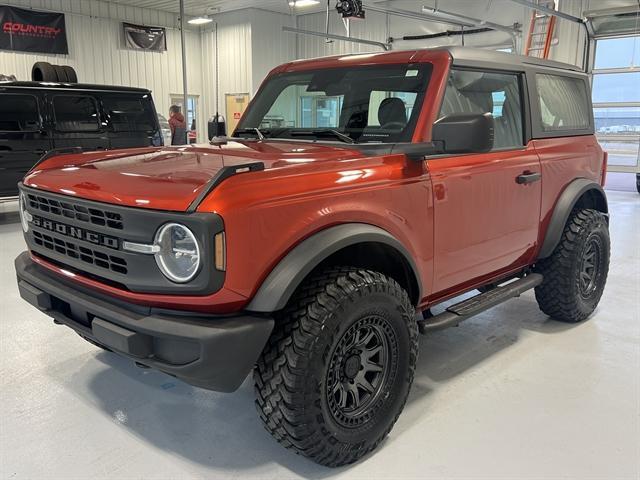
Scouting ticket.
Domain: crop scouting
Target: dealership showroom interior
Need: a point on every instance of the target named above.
(320, 239)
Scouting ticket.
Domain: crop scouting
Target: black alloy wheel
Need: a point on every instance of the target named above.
(360, 366)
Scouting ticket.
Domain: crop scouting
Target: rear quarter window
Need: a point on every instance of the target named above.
(19, 113)
(564, 103)
(130, 113)
(75, 113)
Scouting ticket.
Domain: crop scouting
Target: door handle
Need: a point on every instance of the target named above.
(528, 177)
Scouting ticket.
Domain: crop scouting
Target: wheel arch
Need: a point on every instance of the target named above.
(358, 244)
(581, 192)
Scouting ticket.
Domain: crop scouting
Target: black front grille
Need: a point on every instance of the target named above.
(95, 216)
(87, 255)
(86, 237)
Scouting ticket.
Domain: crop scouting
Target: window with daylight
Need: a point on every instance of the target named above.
(352, 104)
(470, 91)
(616, 100)
(563, 101)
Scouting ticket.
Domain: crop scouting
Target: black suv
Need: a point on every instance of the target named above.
(38, 117)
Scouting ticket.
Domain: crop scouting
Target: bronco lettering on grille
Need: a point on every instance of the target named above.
(76, 232)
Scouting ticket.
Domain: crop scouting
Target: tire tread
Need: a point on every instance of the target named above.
(555, 295)
(284, 362)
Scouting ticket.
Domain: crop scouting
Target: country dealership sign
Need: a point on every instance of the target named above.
(32, 31)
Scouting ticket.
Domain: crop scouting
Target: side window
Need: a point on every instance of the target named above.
(564, 103)
(76, 113)
(129, 114)
(487, 92)
(18, 113)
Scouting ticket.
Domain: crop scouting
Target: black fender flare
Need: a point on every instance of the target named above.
(281, 283)
(568, 199)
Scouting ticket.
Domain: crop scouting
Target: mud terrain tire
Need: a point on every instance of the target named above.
(337, 370)
(576, 272)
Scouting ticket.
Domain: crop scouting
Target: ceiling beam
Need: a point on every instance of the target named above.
(548, 11)
(384, 46)
(476, 22)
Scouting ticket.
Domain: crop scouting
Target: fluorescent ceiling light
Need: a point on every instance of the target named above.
(200, 20)
(303, 3)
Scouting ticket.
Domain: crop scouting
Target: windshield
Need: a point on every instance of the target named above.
(355, 104)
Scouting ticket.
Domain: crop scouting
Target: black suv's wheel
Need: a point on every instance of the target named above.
(576, 272)
(338, 367)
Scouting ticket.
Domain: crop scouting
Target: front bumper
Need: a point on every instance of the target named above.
(212, 352)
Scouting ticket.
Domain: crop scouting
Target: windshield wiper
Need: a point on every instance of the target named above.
(329, 131)
(259, 133)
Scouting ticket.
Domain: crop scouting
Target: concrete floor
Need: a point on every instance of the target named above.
(509, 394)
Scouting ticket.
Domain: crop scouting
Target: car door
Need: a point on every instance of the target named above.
(77, 122)
(23, 139)
(486, 205)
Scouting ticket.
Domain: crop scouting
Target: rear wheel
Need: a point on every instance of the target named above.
(576, 273)
(338, 367)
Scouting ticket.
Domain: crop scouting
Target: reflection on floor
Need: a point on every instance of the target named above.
(621, 182)
(509, 394)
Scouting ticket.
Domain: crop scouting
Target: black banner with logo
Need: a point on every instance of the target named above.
(139, 37)
(32, 31)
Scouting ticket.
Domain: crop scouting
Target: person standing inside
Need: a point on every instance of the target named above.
(178, 126)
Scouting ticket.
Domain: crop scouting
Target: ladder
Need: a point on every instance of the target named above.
(541, 32)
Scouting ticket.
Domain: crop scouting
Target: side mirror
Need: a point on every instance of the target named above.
(217, 127)
(464, 133)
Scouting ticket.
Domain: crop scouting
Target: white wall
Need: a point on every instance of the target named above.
(251, 44)
(569, 37)
(374, 27)
(234, 63)
(269, 44)
(379, 27)
(96, 51)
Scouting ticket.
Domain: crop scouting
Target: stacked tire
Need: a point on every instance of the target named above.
(46, 72)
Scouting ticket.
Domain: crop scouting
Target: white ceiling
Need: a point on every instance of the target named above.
(200, 7)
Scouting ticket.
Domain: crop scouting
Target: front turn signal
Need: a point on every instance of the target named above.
(221, 252)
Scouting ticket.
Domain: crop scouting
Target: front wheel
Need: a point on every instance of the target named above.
(576, 272)
(338, 368)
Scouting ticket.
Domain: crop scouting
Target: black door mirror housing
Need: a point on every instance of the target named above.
(464, 133)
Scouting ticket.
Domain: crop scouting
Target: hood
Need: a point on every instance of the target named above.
(168, 178)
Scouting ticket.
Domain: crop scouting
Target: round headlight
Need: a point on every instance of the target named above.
(24, 215)
(179, 253)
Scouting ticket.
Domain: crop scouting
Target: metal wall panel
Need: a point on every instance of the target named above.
(379, 27)
(97, 53)
(235, 69)
(373, 28)
(270, 45)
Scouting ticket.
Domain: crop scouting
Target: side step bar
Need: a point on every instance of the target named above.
(459, 312)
